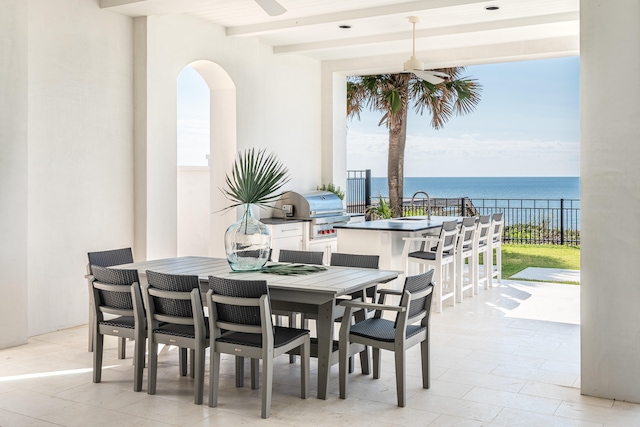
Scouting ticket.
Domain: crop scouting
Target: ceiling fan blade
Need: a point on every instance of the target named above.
(439, 74)
(272, 7)
(428, 76)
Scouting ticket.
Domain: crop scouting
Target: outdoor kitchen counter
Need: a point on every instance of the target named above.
(410, 224)
(279, 221)
(385, 238)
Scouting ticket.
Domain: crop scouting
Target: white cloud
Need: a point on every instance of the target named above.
(193, 142)
(466, 155)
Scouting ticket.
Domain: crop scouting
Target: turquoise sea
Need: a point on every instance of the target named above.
(486, 187)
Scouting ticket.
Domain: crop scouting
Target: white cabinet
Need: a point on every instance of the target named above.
(326, 245)
(286, 236)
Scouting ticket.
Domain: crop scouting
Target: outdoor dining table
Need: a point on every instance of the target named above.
(311, 293)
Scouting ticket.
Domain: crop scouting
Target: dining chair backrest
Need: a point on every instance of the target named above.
(419, 304)
(176, 306)
(238, 314)
(339, 259)
(110, 258)
(108, 299)
(301, 257)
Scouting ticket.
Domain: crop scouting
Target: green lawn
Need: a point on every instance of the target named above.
(516, 258)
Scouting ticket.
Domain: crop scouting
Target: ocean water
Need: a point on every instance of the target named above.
(486, 187)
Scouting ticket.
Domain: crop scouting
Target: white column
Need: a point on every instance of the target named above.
(334, 127)
(13, 174)
(610, 197)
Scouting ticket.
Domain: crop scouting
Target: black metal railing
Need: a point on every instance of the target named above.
(358, 190)
(532, 221)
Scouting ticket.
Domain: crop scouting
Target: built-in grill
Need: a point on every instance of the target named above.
(323, 209)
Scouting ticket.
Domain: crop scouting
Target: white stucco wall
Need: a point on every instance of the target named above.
(610, 198)
(80, 152)
(277, 107)
(74, 120)
(13, 173)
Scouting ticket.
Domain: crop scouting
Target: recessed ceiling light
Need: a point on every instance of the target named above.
(492, 7)
(345, 27)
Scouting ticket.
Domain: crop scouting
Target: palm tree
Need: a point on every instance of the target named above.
(392, 93)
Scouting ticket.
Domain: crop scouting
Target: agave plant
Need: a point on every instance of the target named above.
(255, 179)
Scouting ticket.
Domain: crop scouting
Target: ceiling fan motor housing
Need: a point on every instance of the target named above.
(413, 64)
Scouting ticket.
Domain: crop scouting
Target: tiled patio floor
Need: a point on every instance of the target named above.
(508, 357)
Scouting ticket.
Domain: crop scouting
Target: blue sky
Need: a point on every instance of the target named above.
(526, 124)
(193, 118)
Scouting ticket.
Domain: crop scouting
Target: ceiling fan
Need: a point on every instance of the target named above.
(272, 7)
(415, 66)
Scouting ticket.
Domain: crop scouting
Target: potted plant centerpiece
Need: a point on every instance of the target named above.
(255, 179)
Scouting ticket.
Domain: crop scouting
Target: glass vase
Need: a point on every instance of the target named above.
(247, 242)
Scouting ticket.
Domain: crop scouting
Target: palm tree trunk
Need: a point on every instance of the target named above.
(395, 166)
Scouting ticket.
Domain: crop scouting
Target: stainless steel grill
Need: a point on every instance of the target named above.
(322, 209)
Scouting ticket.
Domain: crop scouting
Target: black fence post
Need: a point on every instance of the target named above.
(367, 188)
(463, 207)
(562, 221)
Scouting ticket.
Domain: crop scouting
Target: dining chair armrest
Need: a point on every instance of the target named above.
(390, 291)
(359, 304)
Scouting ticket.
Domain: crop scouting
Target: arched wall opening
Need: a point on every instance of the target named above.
(201, 225)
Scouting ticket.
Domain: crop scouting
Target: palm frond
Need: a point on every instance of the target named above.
(255, 179)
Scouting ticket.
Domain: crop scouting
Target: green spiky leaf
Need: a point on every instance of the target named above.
(256, 178)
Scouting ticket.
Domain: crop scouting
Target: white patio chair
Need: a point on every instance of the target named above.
(439, 254)
(481, 248)
(465, 252)
(497, 224)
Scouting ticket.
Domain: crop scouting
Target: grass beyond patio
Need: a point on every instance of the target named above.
(516, 258)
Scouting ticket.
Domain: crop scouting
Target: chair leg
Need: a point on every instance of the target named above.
(214, 376)
(267, 384)
(364, 361)
(239, 371)
(153, 366)
(376, 363)
(292, 324)
(426, 362)
(138, 357)
(255, 374)
(401, 388)
(98, 345)
(305, 353)
(438, 289)
(122, 348)
(92, 321)
(192, 358)
(199, 374)
(486, 266)
(343, 361)
(499, 263)
(182, 361)
(452, 281)
(459, 279)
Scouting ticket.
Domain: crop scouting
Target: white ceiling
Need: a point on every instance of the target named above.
(380, 32)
